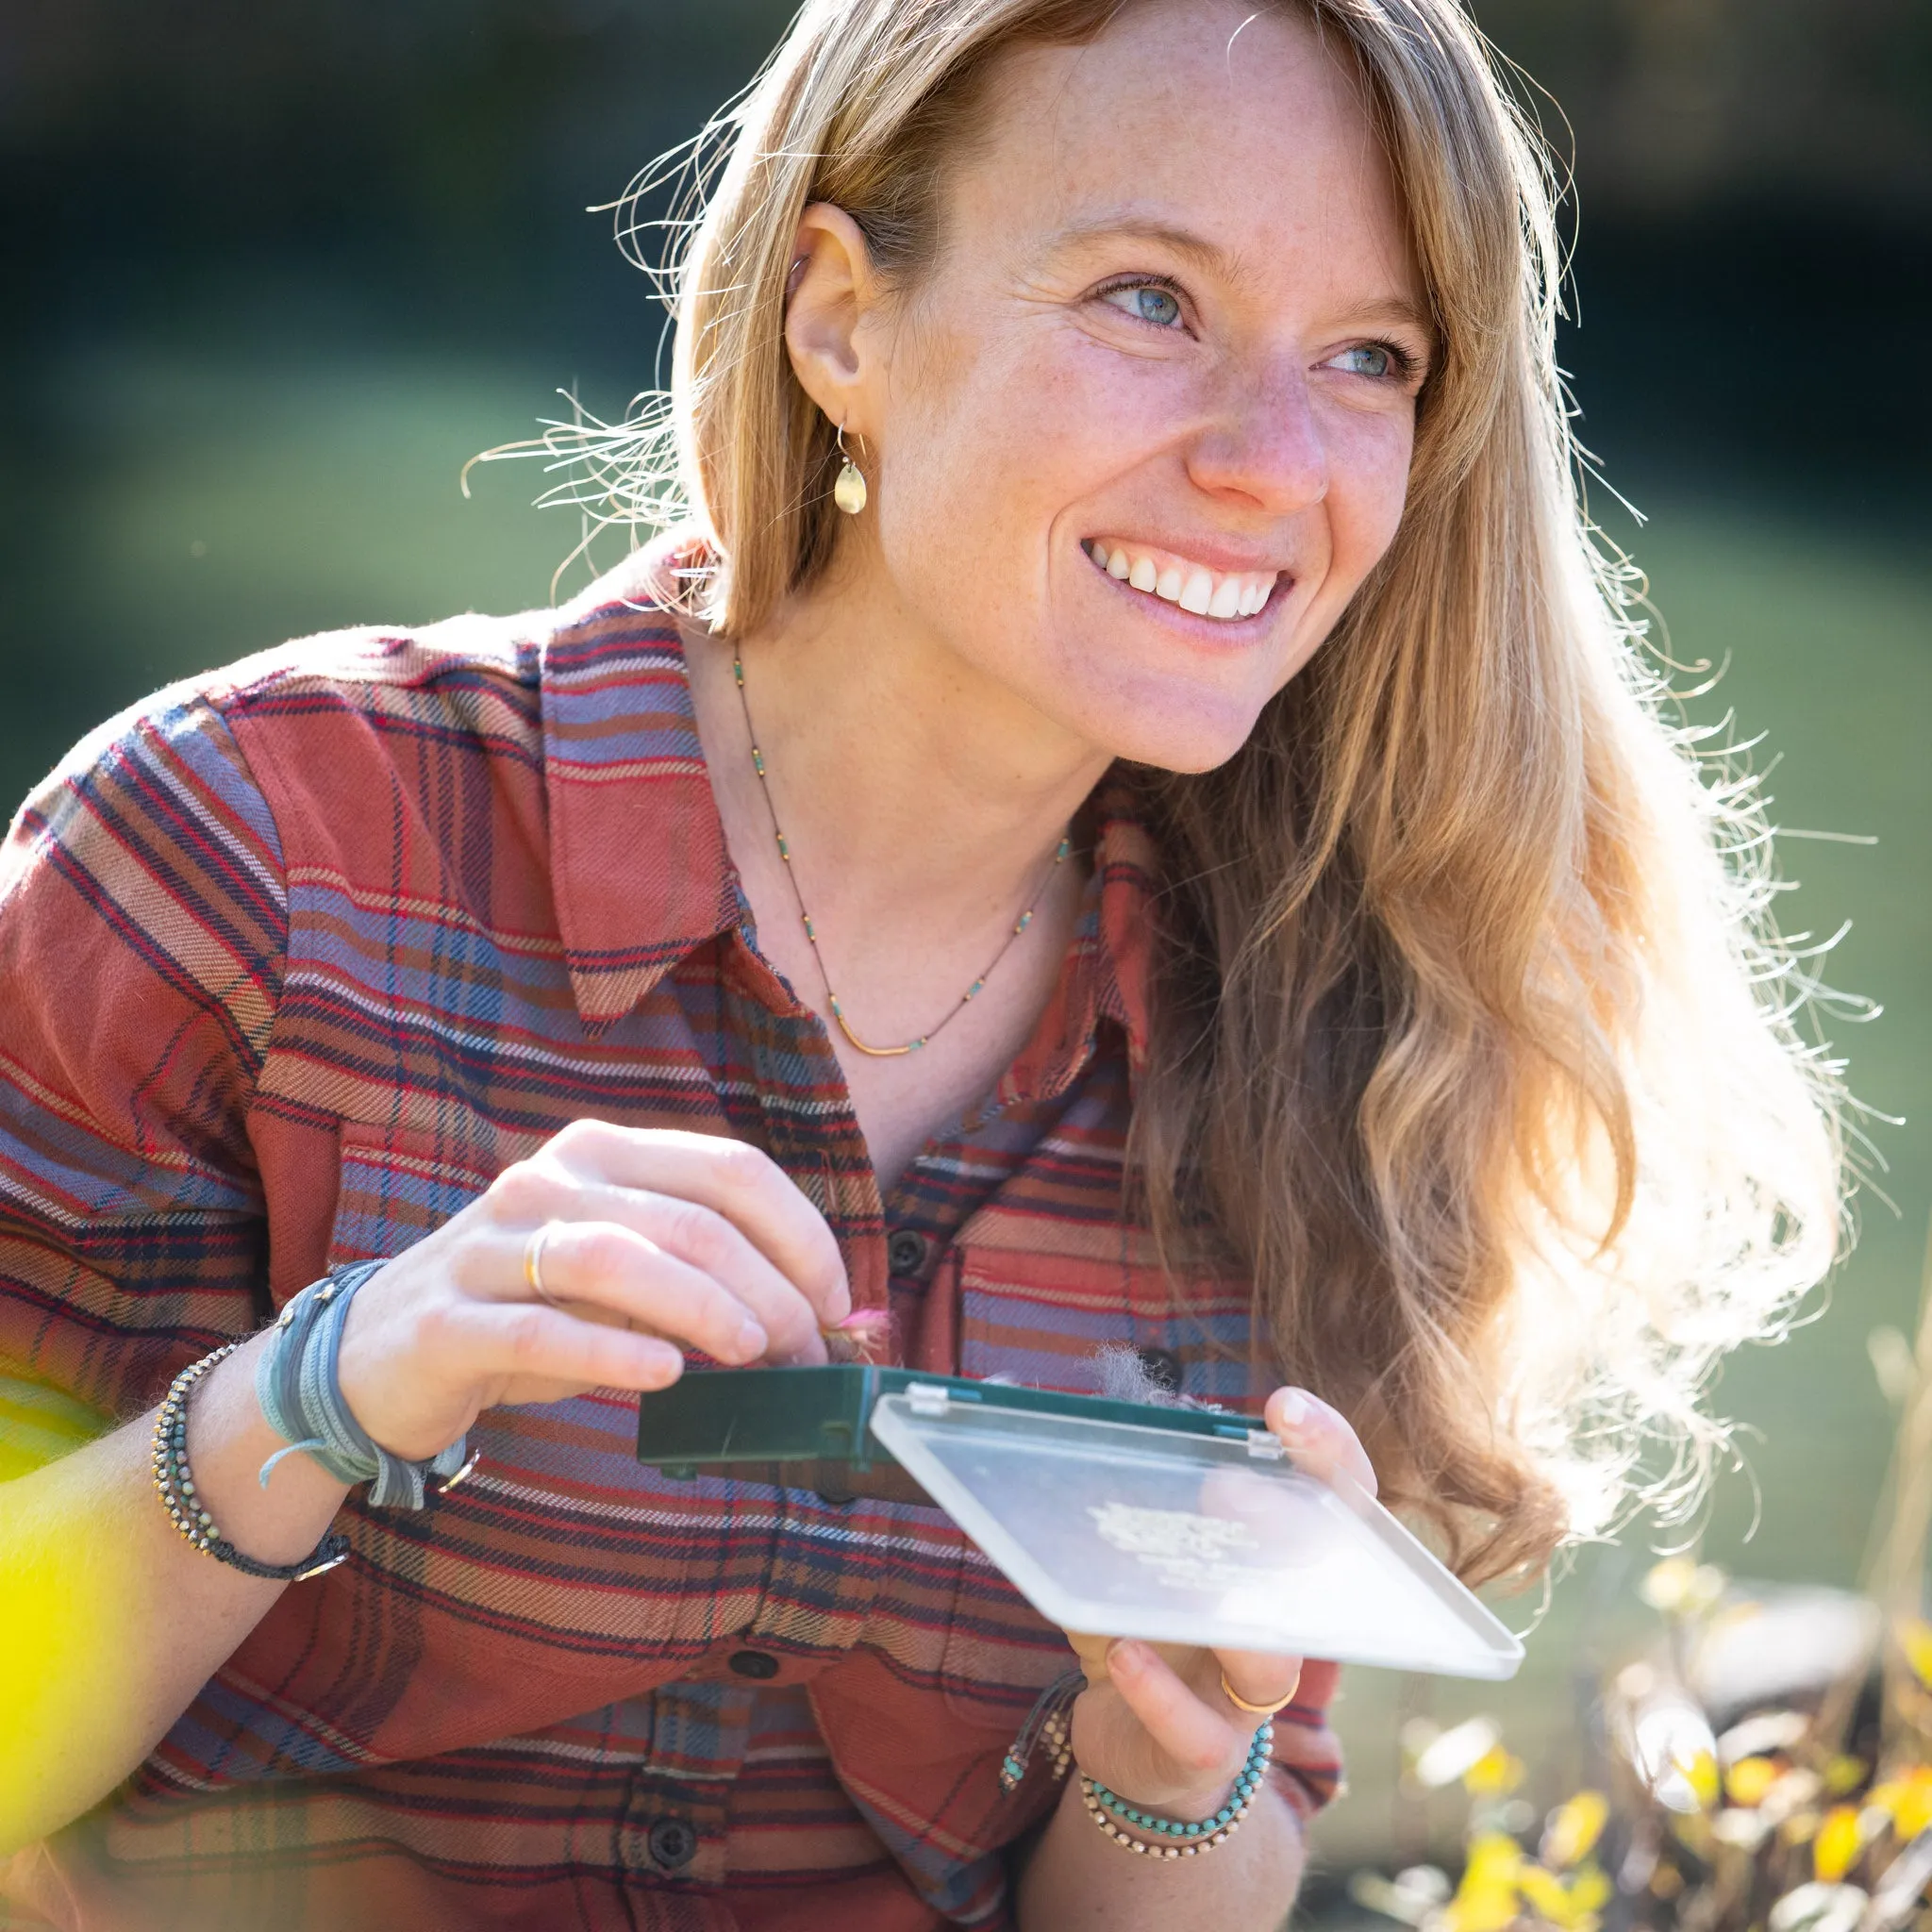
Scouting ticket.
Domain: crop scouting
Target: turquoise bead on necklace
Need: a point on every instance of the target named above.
(972, 992)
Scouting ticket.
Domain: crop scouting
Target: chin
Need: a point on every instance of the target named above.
(1176, 731)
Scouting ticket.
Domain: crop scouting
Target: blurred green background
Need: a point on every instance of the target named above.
(276, 268)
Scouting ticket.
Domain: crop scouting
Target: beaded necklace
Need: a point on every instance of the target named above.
(972, 992)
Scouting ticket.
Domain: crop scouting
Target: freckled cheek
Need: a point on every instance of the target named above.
(998, 475)
(1368, 488)
(1051, 435)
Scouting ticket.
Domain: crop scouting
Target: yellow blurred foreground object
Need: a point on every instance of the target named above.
(1837, 1844)
(1573, 1906)
(1749, 1780)
(1486, 1900)
(64, 1609)
(1494, 1774)
(1499, 1880)
(39, 1425)
(1574, 1829)
(1915, 1640)
(1907, 1799)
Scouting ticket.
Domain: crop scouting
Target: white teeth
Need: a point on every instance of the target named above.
(1191, 586)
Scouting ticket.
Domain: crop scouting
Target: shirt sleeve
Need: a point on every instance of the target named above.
(1307, 1754)
(142, 935)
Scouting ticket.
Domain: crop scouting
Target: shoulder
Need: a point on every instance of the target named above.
(471, 671)
(487, 683)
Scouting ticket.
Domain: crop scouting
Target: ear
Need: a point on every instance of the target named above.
(833, 294)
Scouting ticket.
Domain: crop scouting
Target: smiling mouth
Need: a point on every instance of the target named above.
(1229, 596)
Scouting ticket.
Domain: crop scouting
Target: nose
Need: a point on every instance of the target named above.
(1264, 444)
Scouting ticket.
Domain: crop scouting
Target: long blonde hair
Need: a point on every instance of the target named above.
(1475, 1047)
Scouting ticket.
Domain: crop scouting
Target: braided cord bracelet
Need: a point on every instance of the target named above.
(295, 1382)
(175, 1484)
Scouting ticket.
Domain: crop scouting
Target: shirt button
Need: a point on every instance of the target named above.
(673, 1842)
(754, 1663)
(908, 1252)
(1163, 1367)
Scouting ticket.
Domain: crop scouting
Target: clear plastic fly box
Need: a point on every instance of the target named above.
(1179, 1526)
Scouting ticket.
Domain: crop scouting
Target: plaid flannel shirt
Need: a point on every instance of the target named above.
(293, 959)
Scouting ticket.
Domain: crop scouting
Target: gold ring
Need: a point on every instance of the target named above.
(533, 1263)
(1240, 1702)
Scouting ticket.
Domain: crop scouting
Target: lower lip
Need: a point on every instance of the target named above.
(1194, 623)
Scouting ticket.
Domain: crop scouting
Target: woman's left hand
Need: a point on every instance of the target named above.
(1154, 1724)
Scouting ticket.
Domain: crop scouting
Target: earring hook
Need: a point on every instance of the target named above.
(849, 493)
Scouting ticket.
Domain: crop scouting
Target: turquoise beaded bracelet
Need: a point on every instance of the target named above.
(1174, 1838)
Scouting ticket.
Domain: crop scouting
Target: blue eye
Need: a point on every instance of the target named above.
(1146, 302)
(1367, 359)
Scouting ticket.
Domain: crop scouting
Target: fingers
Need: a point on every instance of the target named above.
(672, 1240)
(605, 1265)
(1200, 1740)
(735, 1181)
(488, 1340)
(1319, 1438)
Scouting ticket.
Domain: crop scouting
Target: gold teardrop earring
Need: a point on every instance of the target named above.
(849, 492)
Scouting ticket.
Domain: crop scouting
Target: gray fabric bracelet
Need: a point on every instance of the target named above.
(301, 1400)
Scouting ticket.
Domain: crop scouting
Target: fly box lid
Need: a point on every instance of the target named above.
(1124, 1518)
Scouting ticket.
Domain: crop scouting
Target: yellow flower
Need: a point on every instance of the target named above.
(1844, 1775)
(1573, 1829)
(1546, 1892)
(1837, 1844)
(1572, 1906)
(1906, 1799)
(1494, 1774)
(1749, 1781)
(1486, 1900)
(1700, 1773)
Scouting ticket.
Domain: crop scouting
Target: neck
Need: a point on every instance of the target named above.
(916, 797)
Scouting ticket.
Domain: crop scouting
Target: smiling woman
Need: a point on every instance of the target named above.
(1119, 810)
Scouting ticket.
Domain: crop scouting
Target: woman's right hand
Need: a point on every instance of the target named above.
(659, 1240)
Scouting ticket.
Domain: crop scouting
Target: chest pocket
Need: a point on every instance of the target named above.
(1037, 1304)
(1041, 1316)
(395, 1187)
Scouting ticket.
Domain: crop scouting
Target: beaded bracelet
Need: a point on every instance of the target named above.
(1049, 1728)
(175, 1484)
(1186, 1840)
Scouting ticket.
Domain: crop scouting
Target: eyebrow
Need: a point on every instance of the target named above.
(1124, 224)
(1388, 311)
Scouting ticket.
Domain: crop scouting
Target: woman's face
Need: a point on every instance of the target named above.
(1145, 426)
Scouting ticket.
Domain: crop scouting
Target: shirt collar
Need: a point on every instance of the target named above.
(637, 862)
(640, 871)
